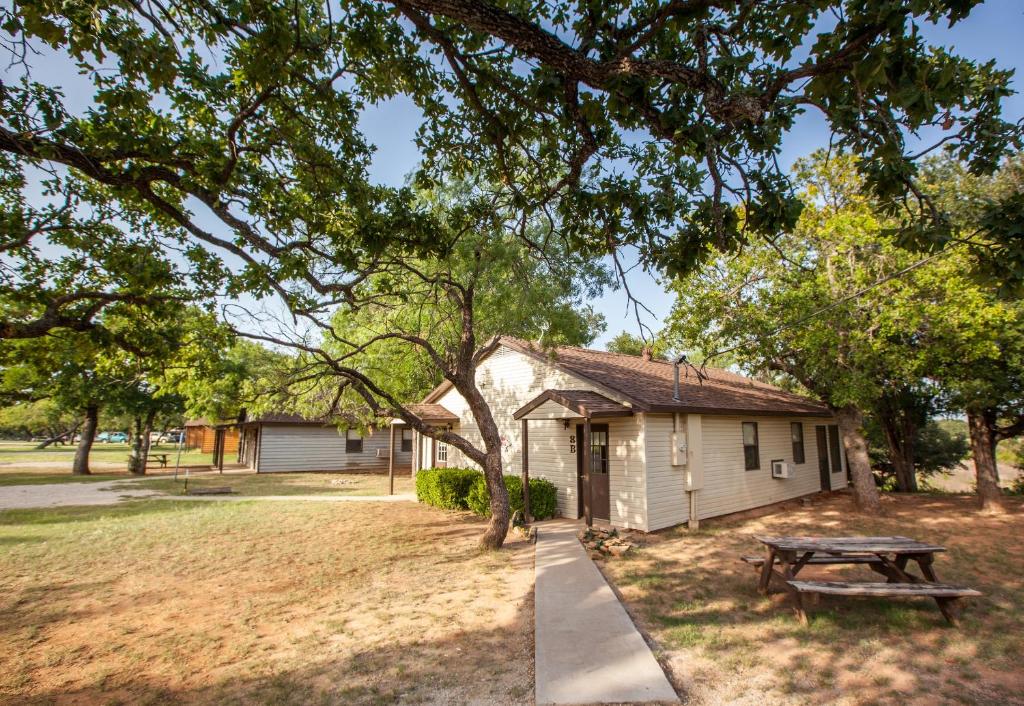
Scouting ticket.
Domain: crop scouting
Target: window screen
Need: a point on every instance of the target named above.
(797, 433)
(751, 454)
(407, 440)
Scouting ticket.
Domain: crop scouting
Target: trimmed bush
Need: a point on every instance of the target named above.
(446, 488)
(543, 497)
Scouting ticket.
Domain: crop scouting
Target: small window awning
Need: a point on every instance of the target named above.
(568, 404)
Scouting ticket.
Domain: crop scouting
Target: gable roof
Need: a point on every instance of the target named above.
(648, 385)
(584, 402)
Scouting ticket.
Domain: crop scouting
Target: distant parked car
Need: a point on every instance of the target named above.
(103, 437)
(170, 437)
(117, 437)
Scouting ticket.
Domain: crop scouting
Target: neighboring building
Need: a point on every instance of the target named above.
(202, 434)
(274, 443)
(656, 461)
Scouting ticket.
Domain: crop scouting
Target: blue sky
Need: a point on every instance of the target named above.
(995, 30)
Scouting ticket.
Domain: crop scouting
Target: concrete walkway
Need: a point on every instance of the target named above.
(107, 492)
(587, 649)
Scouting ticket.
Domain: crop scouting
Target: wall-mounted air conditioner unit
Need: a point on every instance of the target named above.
(781, 469)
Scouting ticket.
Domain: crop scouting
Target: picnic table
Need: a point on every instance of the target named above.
(162, 459)
(785, 557)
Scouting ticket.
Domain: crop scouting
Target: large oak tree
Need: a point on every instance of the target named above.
(231, 129)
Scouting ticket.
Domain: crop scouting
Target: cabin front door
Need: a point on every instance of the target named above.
(599, 491)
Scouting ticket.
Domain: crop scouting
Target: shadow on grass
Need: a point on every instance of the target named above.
(699, 603)
(446, 651)
(92, 513)
(470, 666)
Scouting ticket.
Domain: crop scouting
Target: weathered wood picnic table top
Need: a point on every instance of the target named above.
(851, 545)
(888, 556)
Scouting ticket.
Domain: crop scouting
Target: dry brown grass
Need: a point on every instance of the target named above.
(304, 603)
(724, 643)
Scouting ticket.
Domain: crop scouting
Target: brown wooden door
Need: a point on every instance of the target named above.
(821, 436)
(599, 488)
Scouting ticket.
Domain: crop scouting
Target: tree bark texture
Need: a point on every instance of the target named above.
(497, 529)
(134, 453)
(865, 492)
(80, 467)
(143, 427)
(982, 428)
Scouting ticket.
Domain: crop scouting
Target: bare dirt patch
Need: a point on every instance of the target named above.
(724, 643)
(294, 603)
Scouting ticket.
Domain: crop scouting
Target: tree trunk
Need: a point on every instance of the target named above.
(81, 463)
(497, 529)
(67, 436)
(140, 444)
(865, 492)
(899, 436)
(982, 428)
(147, 431)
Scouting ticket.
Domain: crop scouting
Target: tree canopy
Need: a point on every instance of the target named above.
(236, 125)
(842, 308)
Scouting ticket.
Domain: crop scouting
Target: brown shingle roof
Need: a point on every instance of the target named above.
(648, 384)
(432, 412)
(583, 402)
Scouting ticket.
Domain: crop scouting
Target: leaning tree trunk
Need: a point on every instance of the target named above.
(81, 463)
(865, 492)
(982, 428)
(497, 529)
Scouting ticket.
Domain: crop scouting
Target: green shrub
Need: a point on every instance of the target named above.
(543, 497)
(447, 488)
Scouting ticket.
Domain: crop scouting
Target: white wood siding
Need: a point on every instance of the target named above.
(729, 488)
(508, 380)
(627, 486)
(551, 458)
(667, 501)
(304, 447)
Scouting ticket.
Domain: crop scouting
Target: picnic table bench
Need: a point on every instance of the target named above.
(160, 458)
(888, 556)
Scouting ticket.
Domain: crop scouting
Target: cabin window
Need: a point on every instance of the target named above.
(407, 440)
(797, 433)
(353, 442)
(751, 454)
(442, 452)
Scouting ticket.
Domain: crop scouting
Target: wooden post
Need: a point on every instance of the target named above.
(220, 449)
(391, 462)
(587, 463)
(526, 473)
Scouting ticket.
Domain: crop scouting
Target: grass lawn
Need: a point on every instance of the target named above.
(283, 483)
(724, 643)
(21, 463)
(284, 603)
